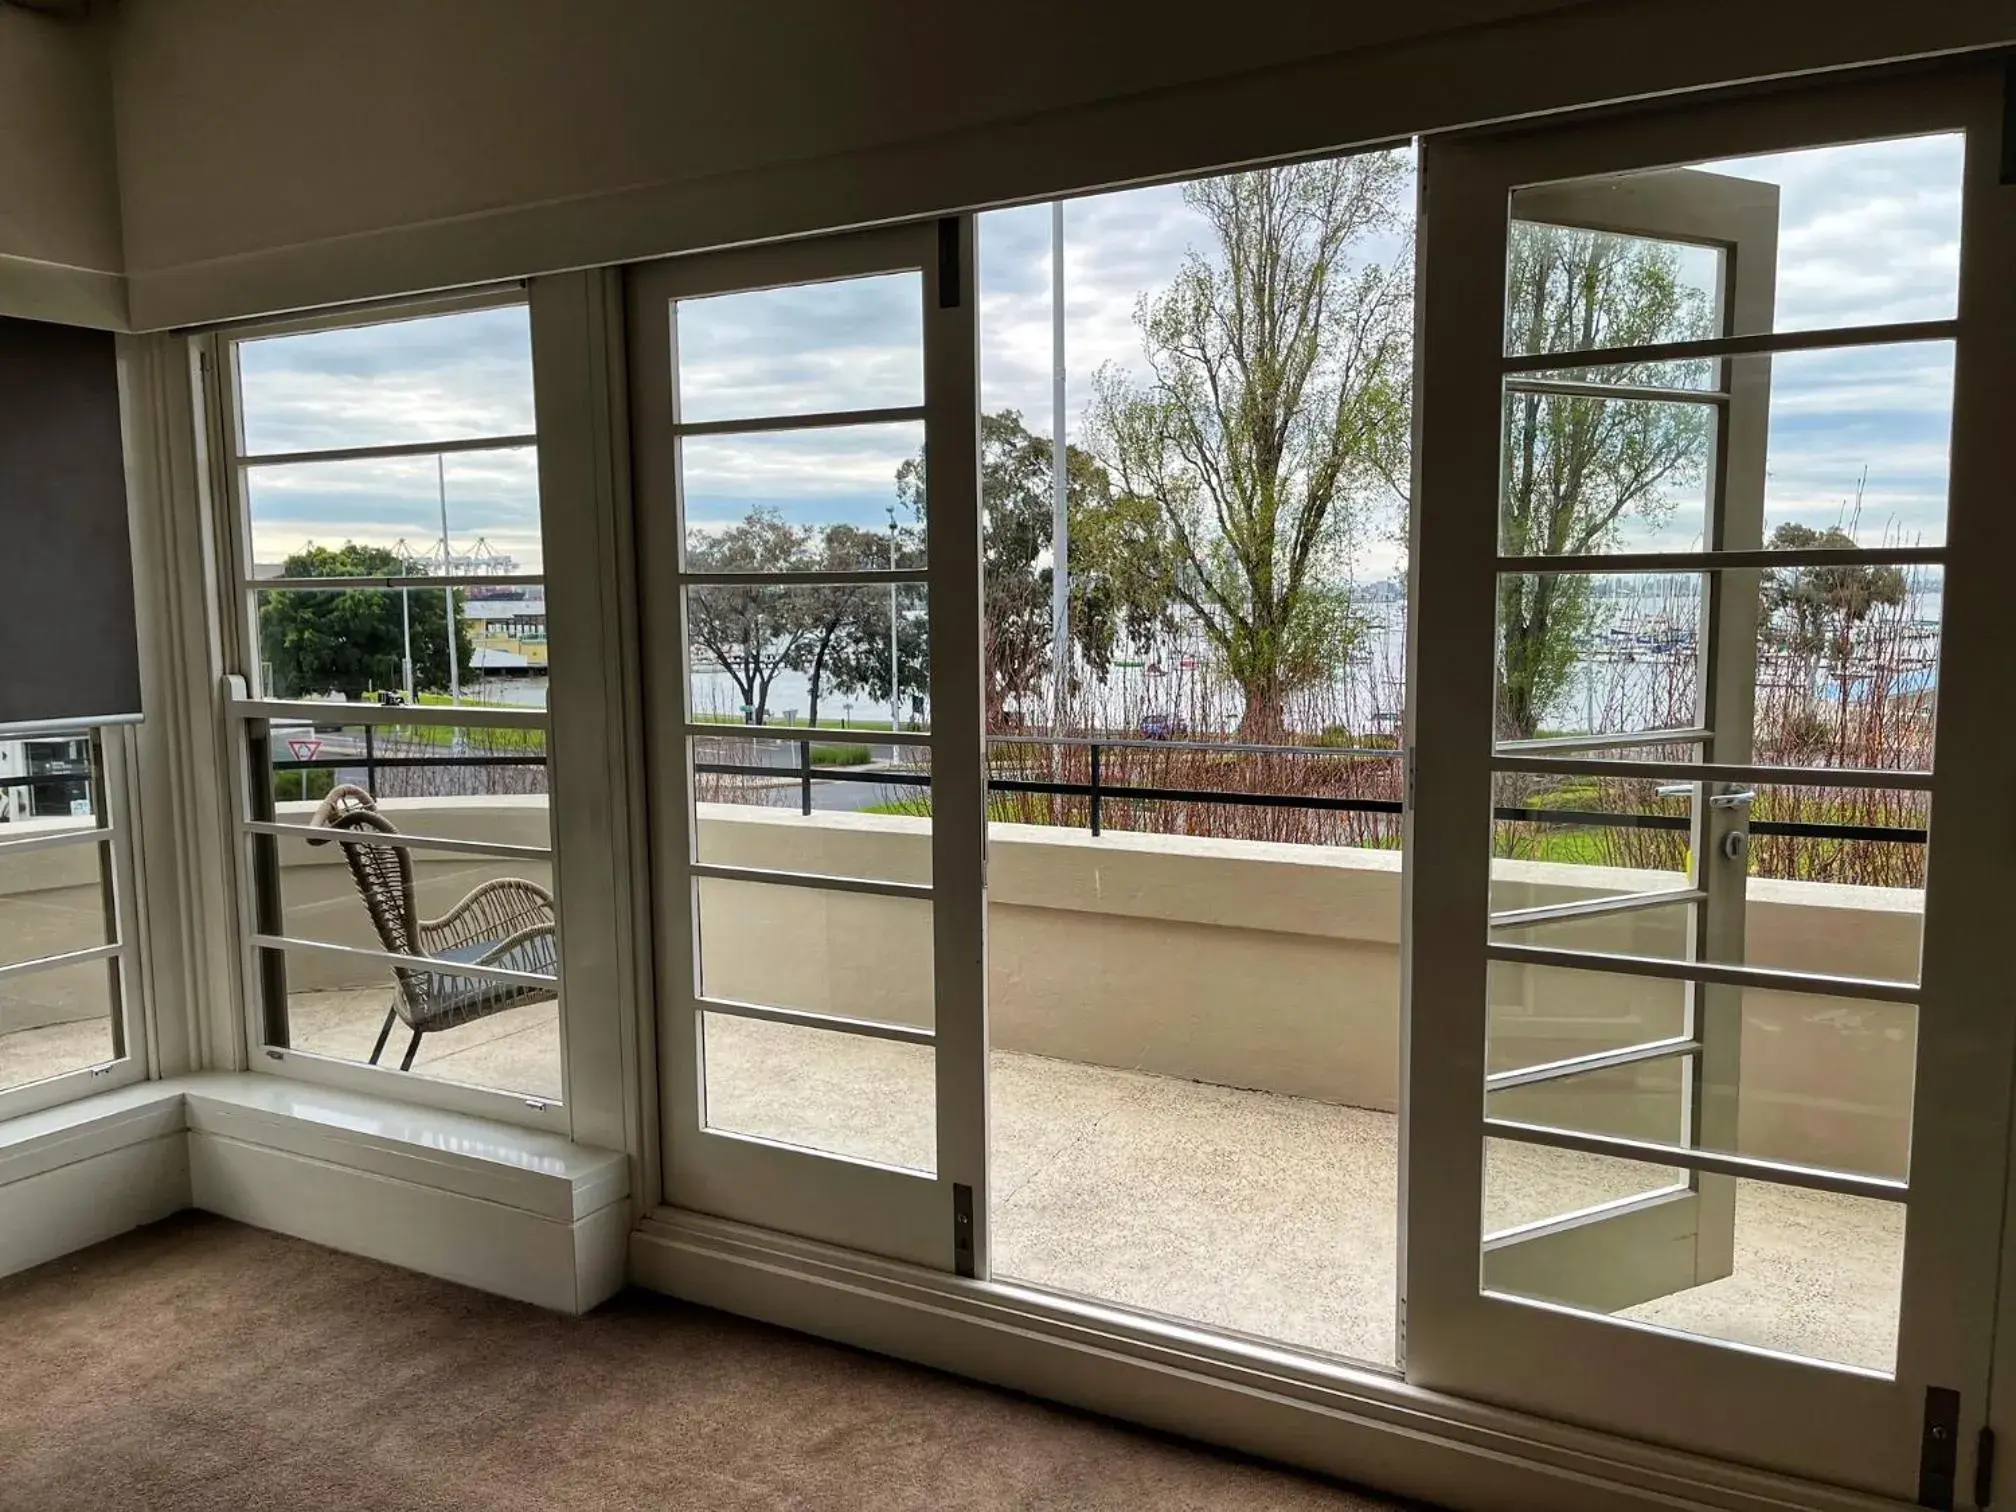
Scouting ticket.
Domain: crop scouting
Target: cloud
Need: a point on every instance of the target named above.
(380, 501)
(851, 344)
(839, 475)
(1868, 233)
(440, 378)
(1117, 247)
(1872, 419)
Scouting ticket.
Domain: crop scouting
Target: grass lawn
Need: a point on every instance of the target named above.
(489, 740)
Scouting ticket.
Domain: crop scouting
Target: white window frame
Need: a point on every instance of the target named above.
(1468, 1333)
(838, 1198)
(113, 837)
(248, 713)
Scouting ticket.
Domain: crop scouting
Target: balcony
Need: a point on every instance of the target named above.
(1196, 1053)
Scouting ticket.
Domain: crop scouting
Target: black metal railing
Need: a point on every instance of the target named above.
(372, 763)
(1097, 791)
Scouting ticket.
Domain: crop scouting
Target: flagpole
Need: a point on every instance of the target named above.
(1060, 485)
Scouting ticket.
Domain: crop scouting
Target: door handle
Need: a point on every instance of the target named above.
(1742, 798)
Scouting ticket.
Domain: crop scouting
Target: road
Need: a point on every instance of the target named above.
(833, 797)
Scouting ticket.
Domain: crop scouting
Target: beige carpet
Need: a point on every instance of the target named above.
(200, 1364)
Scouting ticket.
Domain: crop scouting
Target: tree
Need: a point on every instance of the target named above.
(837, 617)
(1274, 411)
(1573, 468)
(752, 632)
(859, 656)
(1119, 595)
(353, 641)
(1812, 612)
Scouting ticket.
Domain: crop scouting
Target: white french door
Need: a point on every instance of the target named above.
(1678, 1234)
(822, 982)
(1616, 1211)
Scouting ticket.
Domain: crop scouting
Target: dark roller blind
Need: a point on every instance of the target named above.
(68, 651)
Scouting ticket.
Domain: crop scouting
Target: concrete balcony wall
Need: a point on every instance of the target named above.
(1240, 963)
(51, 902)
(1277, 967)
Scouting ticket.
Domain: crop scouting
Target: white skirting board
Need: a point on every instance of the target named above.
(1381, 1434)
(504, 1250)
(508, 1211)
(70, 1207)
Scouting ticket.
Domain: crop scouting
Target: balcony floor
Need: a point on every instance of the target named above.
(1251, 1211)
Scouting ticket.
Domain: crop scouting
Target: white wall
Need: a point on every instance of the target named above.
(60, 250)
(278, 153)
(384, 113)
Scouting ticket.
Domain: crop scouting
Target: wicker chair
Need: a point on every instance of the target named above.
(506, 923)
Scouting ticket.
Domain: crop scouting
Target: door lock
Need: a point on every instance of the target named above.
(1735, 843)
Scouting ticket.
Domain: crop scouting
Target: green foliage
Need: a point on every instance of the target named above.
(492, 742)
(1118, 591)
(837, 635)
(1812, 612)
(1574, 468)
(841, 755)
(752, 632)
(350, 641)
(310, 784)
(1275, 411)
(1336, 736)
(859, 661)
(837, 623)
(918, 807)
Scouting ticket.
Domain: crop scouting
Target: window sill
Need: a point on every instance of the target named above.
(539, 1173)
(34, 1144)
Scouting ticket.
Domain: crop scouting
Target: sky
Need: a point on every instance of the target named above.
(1868, 233)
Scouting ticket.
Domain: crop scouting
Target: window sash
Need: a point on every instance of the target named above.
(249, 712)
(112, 832)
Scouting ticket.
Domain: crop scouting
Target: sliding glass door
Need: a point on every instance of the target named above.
(1709, 1035)
(821, 973)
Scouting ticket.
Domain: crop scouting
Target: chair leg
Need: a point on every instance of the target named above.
(411, 1051)
(391, 1018)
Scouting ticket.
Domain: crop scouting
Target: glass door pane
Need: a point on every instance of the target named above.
(1195, 790)
(1689, 1090)
(815, 653)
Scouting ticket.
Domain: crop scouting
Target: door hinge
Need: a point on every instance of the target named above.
(1984, 1469)
(1939, 1448)
(962, 1229)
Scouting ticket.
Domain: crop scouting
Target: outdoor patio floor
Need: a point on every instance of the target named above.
(1251, 1211)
